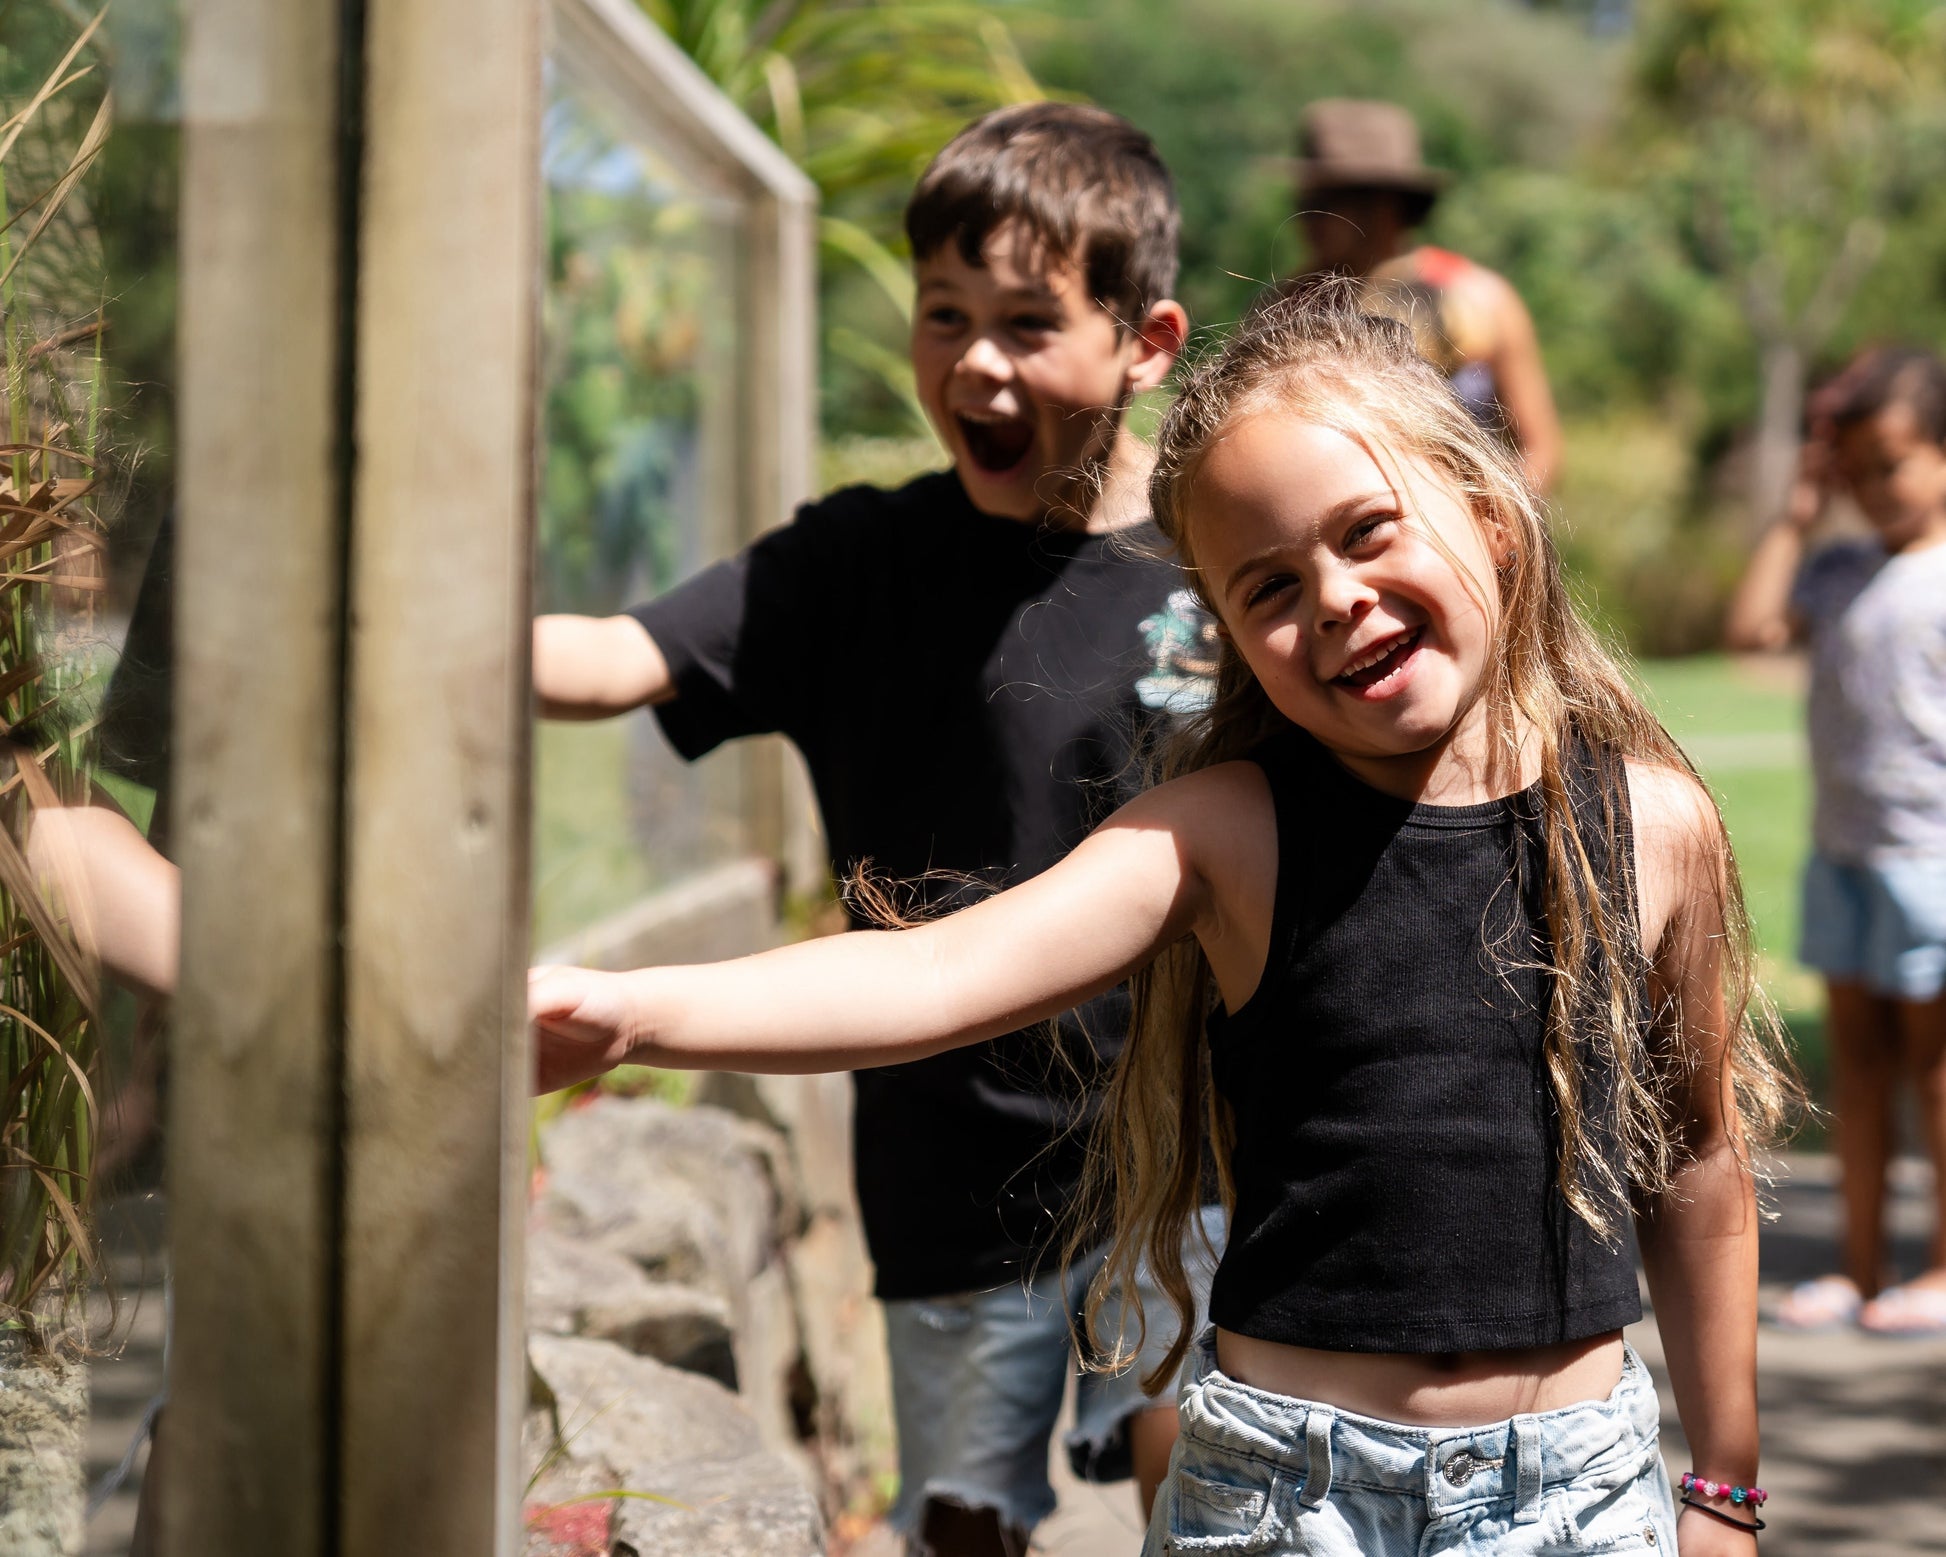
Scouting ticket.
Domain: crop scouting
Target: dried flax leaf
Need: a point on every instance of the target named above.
(49, 87)
(51, 90)
(84, 155)
(83, 1245)
(47, 752)
(18, 878)
(11, 683)
(60, 1049)
(46, 448)
(73, 335)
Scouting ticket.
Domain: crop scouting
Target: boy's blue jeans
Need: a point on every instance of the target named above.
(977, 1380)
(1255, 1472)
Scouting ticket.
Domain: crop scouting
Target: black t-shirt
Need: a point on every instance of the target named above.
(968, 692)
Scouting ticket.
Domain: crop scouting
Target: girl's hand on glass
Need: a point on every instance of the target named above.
(582, 1025)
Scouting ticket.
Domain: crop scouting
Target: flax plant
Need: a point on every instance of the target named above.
(50, 545)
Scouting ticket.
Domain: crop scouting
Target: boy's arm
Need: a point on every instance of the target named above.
(1699, 1242)
(1759, 619)
(589, 667)
(872, 998)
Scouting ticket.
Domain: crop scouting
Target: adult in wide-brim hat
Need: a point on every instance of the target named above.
(1354, 143)
(1363, 187)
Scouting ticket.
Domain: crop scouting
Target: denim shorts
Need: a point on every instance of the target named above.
(1255, 1472)
(1882, 925)
(977, 1380)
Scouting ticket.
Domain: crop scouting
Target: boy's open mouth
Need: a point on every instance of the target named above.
(1380, 663)
(996, 446)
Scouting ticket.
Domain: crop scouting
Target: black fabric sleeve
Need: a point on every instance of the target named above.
(740, 636)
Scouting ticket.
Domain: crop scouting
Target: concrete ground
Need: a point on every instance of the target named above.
(1854, 1426)
(122, 1384)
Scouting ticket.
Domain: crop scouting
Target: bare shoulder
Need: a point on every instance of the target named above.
(1679, 843)
(1223, 821)
(1671, 807)
(1213, 801)
(1487, 288)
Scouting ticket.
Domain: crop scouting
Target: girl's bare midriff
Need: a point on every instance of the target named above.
(1440, 1389)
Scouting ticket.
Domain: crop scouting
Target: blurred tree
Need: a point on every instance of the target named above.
(861, 94)
(1786, 133)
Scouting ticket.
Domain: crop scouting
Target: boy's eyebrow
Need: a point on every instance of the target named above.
(1331, 515)
(1027, 294)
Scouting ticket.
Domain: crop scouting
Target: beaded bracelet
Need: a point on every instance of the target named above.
(1756, 1497)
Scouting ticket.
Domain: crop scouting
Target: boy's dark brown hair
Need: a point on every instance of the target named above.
(1085, 183)
(1909, 376)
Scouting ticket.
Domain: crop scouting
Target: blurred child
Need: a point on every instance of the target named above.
(1438, 950)
(966, 665)
(1873, 612)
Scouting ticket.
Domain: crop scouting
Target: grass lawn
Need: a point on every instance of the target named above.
(1742, 723)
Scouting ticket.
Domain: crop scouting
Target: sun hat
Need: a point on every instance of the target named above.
(1359, 143)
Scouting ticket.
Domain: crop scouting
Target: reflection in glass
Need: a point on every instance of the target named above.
(89, 906)
(638, 484)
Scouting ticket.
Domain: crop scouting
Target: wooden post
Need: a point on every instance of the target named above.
(350, 1094)
(438, 727)
(253, 1114)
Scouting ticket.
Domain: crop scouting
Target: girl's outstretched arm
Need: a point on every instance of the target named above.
(1699, 1243)
(871, 998)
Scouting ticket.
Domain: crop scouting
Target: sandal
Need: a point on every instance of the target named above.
(1909, 1310)
(1828, 1303)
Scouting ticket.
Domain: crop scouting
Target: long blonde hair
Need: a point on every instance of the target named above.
(1321, 355)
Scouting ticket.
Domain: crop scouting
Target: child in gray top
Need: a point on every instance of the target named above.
(1873, 612)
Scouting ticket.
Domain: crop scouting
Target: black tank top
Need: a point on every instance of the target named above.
(1396, 1138)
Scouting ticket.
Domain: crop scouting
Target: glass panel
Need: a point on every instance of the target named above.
(638, 485)
(88, 898)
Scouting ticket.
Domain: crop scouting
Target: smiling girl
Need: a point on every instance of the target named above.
(1438, 951)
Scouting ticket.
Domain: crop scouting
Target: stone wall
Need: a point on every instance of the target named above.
(700, 1338)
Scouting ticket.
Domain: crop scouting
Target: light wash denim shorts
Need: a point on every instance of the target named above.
(1882, 924)
(977, 1381)
(1262, 1473)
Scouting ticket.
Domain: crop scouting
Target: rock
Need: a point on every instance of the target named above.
(575, 1288)
(43, 1422)
(605, 1418)
(693, 1194)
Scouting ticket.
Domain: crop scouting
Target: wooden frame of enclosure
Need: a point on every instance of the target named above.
(731, 909)
(348, 1109)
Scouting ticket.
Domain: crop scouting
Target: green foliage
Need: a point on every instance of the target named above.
(633, 325)
(1784, 137)
(861, 94)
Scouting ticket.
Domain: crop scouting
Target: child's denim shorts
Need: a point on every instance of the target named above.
(1261, 1473)
(977, 1381)
(1882, 925)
